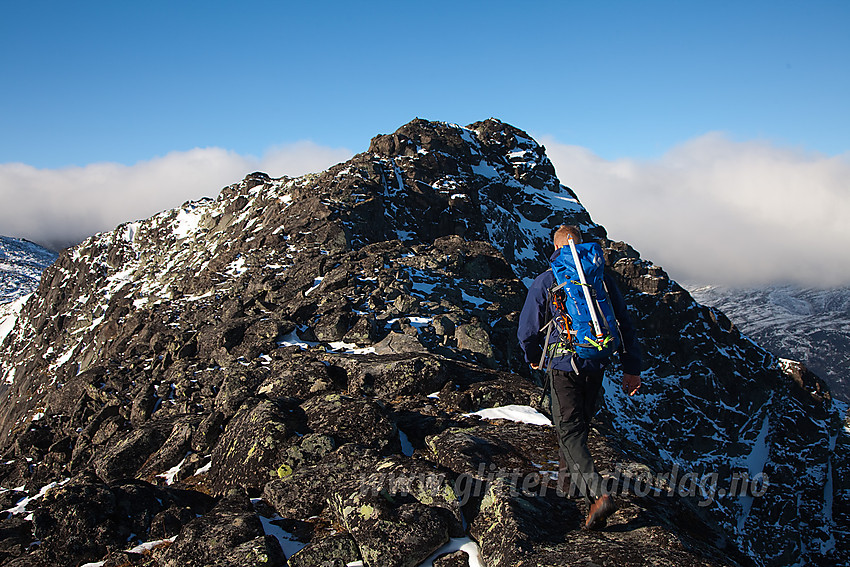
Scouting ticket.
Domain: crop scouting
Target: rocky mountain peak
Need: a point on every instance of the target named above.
(235, 376)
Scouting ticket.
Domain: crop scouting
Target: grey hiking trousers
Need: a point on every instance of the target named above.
(573, 400)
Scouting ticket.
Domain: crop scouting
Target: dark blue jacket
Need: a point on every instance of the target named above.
(535, 314)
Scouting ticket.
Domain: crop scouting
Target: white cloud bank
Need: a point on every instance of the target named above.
(718, 211)
(711, 210)
(61, 206)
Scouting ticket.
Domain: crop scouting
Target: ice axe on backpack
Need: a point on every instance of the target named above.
(597, 328)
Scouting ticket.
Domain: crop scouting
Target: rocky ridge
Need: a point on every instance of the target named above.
(289, 373)
(809, 325)
(21, 265)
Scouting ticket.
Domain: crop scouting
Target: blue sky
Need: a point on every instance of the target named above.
(115, 110)
(126, 81)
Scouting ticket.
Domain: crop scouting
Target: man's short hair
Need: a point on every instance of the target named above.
(562, 235)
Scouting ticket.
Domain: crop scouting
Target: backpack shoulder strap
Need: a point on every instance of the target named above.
(616, 322)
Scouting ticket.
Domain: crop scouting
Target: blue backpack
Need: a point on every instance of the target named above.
(582, 313)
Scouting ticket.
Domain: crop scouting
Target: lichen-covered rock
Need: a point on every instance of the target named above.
(208, 432)
(30, 560)
(304, 492)
(363, 332)
(456, 559)
(394, 375)
(252, 448)
(84, 518)
(229, 534)
(520, 529)
(301, 376)
(9, 498)
(401, 477)
(399, 343)
(122, 460)
(15, 537)
(235, 388)
(173, 450)
(339, 549)
(352, 419)
(498, 389)
(392, 530)
(473, 337)
(480, 450)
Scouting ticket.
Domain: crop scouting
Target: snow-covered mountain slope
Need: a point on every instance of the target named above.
(295, 333)
(808, 325)
(21, 265)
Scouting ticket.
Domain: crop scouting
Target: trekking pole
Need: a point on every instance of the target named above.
(597, 328)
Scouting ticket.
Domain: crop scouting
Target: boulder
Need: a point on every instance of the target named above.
(398, 531)
(399, 343)
(352, 419)
(393, 375)
(520, 529)
(123, 459)
(229, 534)
(339, 549)
(304, 492)
(251, 450)
(456, 559)
(84, 518)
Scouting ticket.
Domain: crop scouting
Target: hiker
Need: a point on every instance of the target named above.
(574, 371)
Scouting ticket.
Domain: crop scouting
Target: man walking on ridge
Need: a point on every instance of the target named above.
(573, 380)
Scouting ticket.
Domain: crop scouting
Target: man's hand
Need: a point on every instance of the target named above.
(631, 383)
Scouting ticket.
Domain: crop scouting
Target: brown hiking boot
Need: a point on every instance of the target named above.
(597, 517)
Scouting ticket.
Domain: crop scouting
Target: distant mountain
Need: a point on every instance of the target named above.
(807, 325)
(21, 265)
(296, 368)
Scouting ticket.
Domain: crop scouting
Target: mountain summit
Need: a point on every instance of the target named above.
(324, 370)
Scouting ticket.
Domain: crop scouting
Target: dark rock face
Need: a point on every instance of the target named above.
(250, 451)
(393, 533)
(808, 325)
(320, 344)
(85, 518)
(333, 550)
(230, 534)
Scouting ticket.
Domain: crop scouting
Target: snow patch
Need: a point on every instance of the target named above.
(316, 283)
(204, 469)
(292, 339)
(486, 169)
(349, 348)
(9, 315)
(148, 545)
(522, 414)
(237, 267)
(130, 230)
(187, 221)
(416, 321)
(21, 505)
(456, 544)
(476, 301)
(287, 541)
(172, 473)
